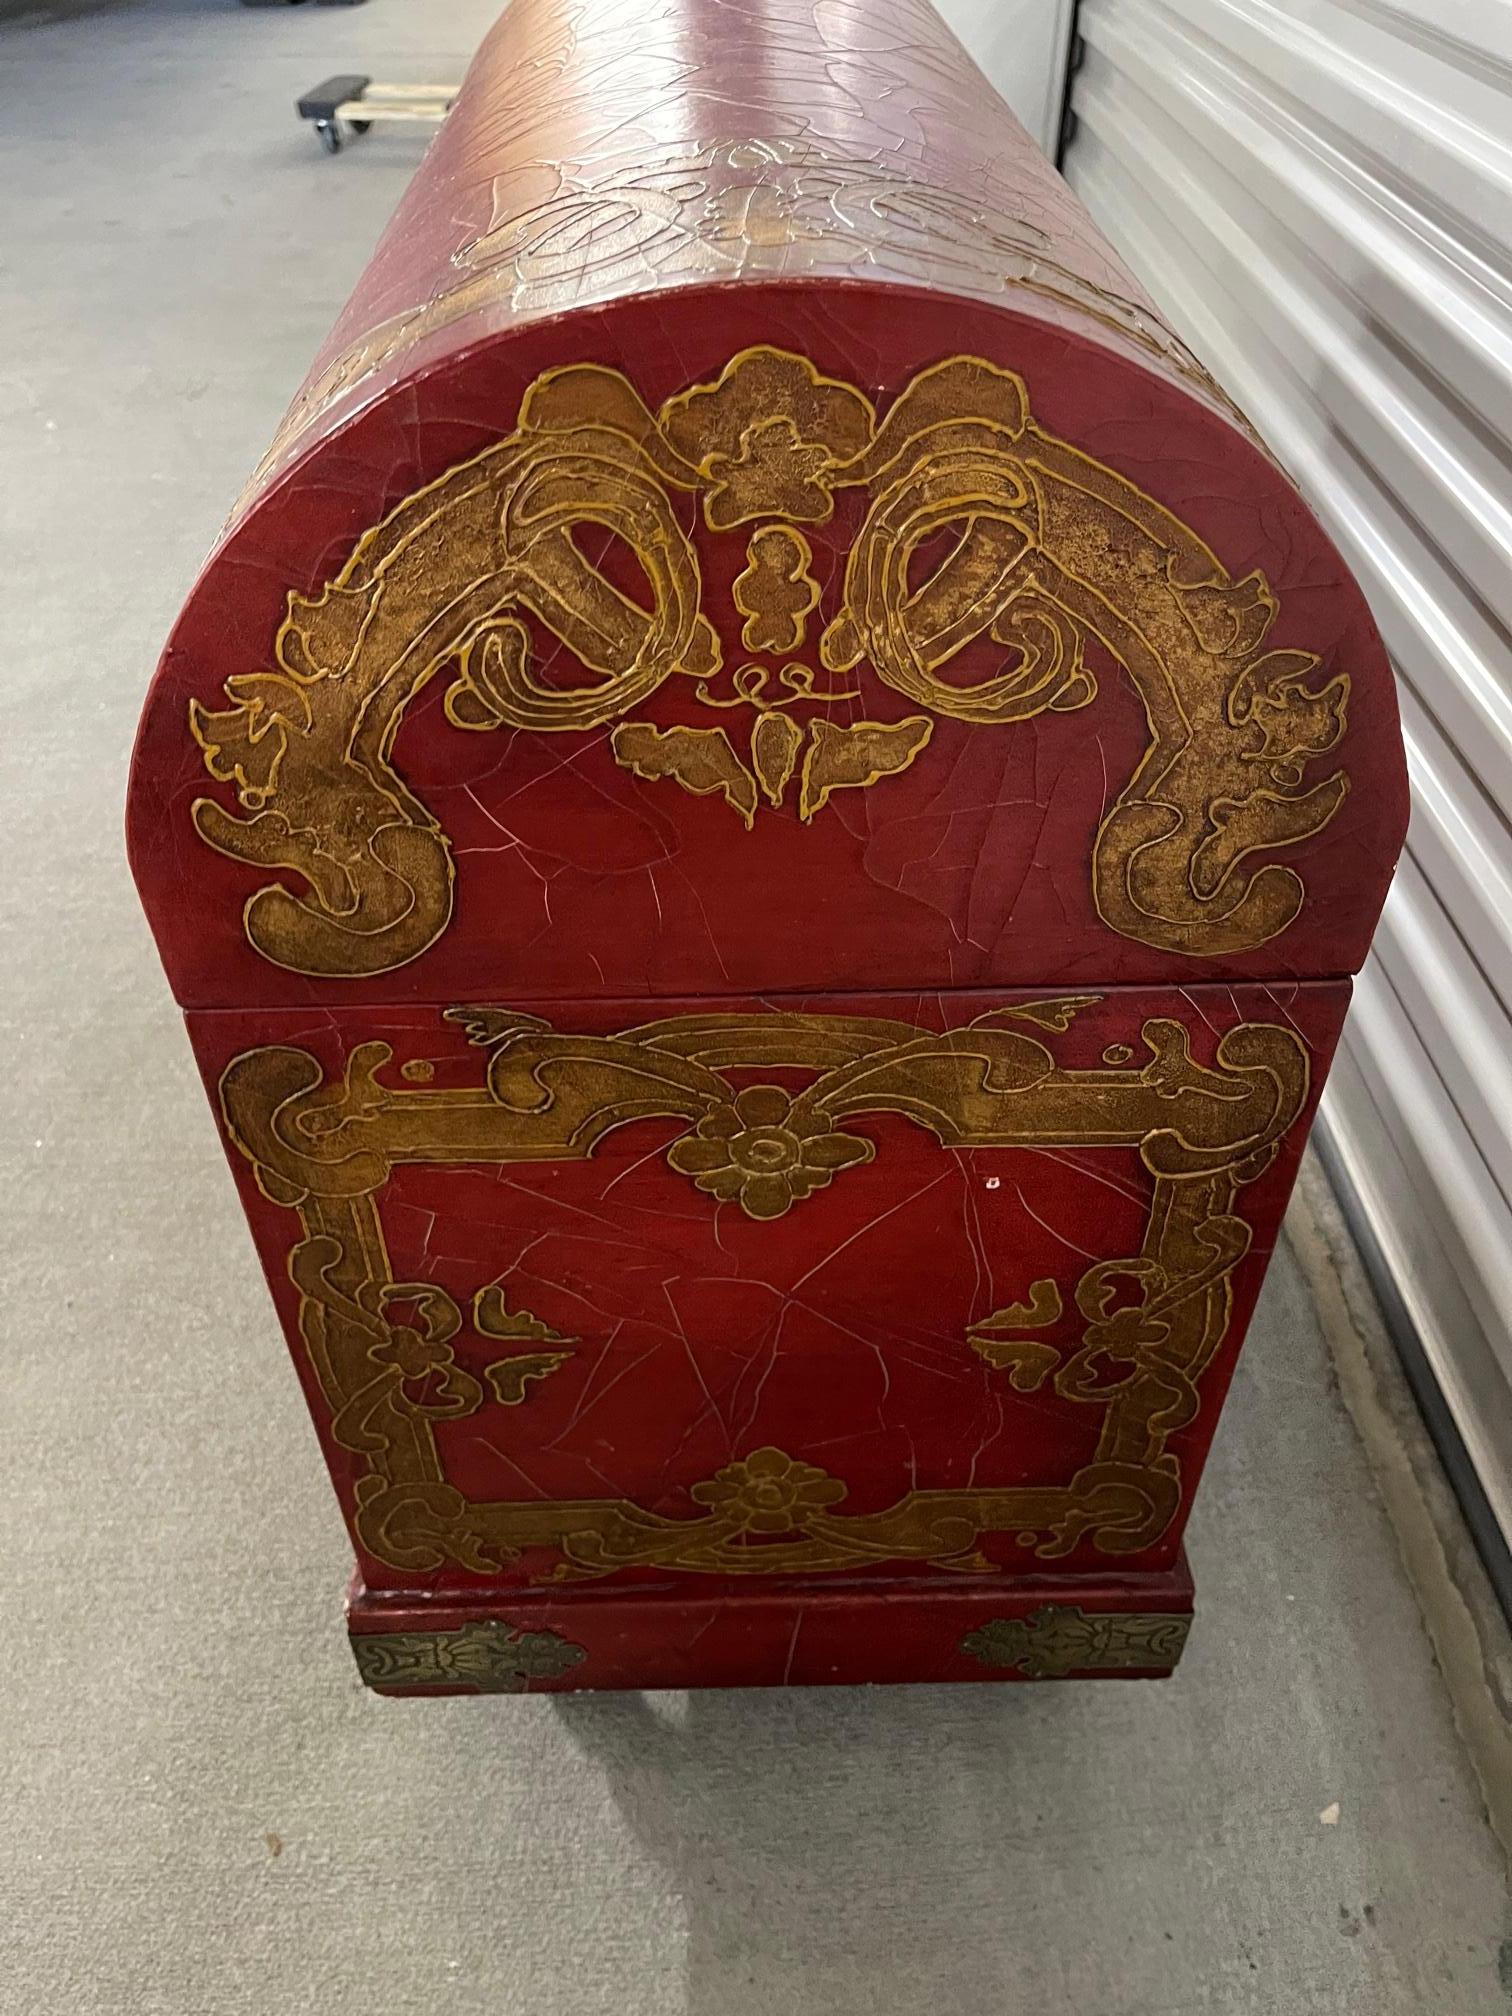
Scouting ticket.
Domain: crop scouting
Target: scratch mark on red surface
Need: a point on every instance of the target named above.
(871, 1226)
(1086, 1173)
(792, 1650)
(692, 1358)
(511, 1465)
(631, 1168)
(772, 1350)
(719, 957)
(1059, 1237)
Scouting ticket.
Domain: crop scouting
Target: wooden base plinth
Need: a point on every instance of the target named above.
(987, 1628)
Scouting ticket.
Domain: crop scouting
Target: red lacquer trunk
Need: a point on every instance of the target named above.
(762, 819)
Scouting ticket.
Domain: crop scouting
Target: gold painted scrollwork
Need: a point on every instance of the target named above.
(1149, 1324)
(772, 205)
(308, 747)
(1028, 1361)
(552, 1095)
(1051, 549)
(978, 526)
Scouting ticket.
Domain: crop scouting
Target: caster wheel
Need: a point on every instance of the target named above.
(330, 138)
(362, 125)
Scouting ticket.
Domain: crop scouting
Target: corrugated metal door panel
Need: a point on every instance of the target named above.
(1389, 1164)
(1319, 193)
(1022, 46)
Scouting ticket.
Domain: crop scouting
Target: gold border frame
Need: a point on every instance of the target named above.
(324, 1149)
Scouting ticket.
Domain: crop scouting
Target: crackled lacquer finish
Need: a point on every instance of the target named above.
(766, 423)
(943, 1280)
(763, 817)
(992, 574)
(605, 148)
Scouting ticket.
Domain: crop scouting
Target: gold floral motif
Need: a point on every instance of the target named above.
(1150, 1323)
(777, 593)
(768, 1493)
(978, 526)
(765, 1150)
(771, 436)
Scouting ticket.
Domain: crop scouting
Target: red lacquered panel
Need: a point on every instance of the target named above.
(746, 576)
(955, 1282)
(1003, 800)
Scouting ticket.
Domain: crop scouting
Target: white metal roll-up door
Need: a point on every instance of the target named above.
(1022, 46)
(1319, 193)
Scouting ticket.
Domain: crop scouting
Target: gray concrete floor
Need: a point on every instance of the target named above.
(202, 1812)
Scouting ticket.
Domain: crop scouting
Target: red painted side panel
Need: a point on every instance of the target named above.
(576, 876)
(917, 1316)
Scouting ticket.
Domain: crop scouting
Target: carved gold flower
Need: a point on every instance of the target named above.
(412, 1352)
(1127, 1333)
(768, 1492)
(417, 1349)
(764, 1150)
(421, 1352)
